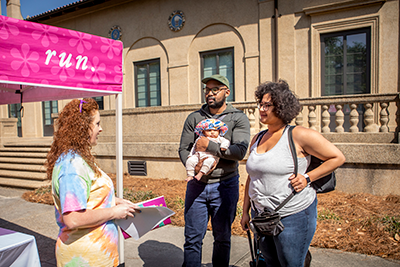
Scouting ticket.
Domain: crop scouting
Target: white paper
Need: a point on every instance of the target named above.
(144, 221)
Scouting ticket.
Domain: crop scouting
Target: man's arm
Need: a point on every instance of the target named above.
(187, 139)
(239, 141)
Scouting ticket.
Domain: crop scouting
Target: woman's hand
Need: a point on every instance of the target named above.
(119, 201)
(124, 208)
(298, 182)
(90, 218)
(244, 222)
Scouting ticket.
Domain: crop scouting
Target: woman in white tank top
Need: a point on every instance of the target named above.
(271, 180)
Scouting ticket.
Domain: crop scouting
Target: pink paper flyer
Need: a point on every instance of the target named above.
(155, 202)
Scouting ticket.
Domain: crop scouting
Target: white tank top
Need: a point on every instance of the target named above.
(269, 178)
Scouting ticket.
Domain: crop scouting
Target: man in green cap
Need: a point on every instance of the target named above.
(215, 196)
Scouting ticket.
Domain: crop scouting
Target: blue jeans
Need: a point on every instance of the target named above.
(289, 248)
(218, 201)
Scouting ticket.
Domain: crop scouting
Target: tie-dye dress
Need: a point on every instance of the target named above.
(75, 188)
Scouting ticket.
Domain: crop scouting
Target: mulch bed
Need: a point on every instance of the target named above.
(361, 223)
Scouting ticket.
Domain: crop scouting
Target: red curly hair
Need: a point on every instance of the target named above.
(73, 133)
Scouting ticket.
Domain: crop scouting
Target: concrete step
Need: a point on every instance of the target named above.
(24, 175)
(38, 161)
(23, 155)
(27, 144)
(22, 163)
(22, 183)
(25, 149)
(30, 142)
(23, 167)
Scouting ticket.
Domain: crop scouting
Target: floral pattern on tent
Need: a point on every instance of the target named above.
(47, 63)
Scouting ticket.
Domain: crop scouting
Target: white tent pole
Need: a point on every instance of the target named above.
(119, 170)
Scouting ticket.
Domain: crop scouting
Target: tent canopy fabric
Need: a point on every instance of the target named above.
(44, 63)
(41, 63)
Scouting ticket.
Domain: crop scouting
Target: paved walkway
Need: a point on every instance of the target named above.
(160, 248)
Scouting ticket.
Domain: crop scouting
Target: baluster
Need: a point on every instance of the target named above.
(339, 119)
(252, 120)
(326, 119)
(299, 118)
(397, 117)
(370, 126)
(384, 118)
(312, 118)
(354, 118)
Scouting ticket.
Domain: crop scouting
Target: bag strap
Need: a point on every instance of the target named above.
(286, 200)
(260, 135)
(296, 166)
(293, 149)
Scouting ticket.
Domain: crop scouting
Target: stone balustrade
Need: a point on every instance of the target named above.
(375, 114)
(318, 113)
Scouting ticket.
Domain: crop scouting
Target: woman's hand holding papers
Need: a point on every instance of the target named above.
(125, 208)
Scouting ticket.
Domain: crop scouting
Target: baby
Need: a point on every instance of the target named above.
(213, 129)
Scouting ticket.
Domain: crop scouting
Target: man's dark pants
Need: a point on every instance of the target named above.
(215, 200)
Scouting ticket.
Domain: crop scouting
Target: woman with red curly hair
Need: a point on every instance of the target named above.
(84, 200)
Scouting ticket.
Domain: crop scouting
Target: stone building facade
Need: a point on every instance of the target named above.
(340, 57)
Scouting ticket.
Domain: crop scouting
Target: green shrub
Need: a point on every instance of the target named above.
(392, 224)
(239, 211)
(178, 203)
(325, 214)
(138, 196)
(43, 190)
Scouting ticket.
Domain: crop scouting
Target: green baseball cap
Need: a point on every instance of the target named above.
(217, 77)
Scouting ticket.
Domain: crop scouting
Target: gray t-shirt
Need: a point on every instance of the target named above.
(269, 178)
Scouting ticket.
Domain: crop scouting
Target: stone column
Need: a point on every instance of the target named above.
(8, 129)
(14, 9)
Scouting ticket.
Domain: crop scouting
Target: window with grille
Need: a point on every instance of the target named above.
(100, 101)
(49, 107)
(219, 62)
(346, 62)
(148, 83)
(14, 111)
(346, 65)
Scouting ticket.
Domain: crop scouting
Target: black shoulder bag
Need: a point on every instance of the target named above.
(322, 185)
(269, 222)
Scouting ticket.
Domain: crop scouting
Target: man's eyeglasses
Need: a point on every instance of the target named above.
(214, 90)
(265, 106)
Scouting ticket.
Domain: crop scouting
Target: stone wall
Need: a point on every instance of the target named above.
(152, 135)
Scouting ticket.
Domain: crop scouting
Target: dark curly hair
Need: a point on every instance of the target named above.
(286, 104)
(73, 133)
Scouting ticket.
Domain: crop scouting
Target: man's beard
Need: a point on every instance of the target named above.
(216, 104)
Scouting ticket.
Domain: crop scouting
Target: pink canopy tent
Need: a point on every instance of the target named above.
(49, 63)
(41, 63)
